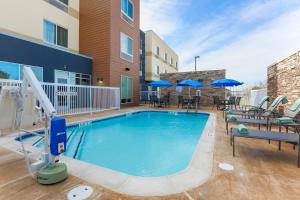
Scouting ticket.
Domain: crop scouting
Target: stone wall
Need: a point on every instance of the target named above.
(284, 78)
(206, 77)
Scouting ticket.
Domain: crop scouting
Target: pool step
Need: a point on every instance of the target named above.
(73, 140)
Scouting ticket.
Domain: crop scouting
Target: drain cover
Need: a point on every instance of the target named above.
(80, 193)
(226, 166)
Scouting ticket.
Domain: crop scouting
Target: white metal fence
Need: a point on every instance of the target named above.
(77, 99)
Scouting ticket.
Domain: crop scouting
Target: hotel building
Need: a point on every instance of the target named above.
(110, 33)
(160, 58)
(43, 34)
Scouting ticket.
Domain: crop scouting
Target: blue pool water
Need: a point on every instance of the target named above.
(148, 144)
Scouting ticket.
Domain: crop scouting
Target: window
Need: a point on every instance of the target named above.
(60, 4)
(166, 57)
(62, 36)
(171, 61)
(14, 71)
(157, 70)
(126, 89)
(157, 51)
(166, 71)
(126, 47)
(176, 65)
(49, 32)
(55, 34)
(38, 72)
(66, 2)
(72, 78)
(127, 8)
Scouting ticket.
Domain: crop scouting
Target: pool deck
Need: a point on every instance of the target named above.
(260, 172)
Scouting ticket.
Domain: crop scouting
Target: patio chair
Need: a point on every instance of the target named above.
(181, 102)
(250, 109)
(289, 117)
(237, 102)
(165, 101)
(243, 132)
(216, 102)
(153, 100)
(194, 103)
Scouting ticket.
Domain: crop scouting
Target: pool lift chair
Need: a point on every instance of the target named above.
(47, 170)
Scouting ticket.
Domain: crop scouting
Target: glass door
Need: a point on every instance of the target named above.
(126, 89)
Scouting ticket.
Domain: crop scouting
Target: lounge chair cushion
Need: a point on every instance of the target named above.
(284, 120)
(242, 129)
(232, 119)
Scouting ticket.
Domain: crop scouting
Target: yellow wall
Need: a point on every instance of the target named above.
(152, 60)
(25, 18)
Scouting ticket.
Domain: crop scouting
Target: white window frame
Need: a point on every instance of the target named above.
(157, 51)
(126, 15)
(56, 25)
(166, 56)
(126, 53)
(157, 71)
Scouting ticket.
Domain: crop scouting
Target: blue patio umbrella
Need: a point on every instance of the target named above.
(226, 83)
(190, 83)
(160, 83)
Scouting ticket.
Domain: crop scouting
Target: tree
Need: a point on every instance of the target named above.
(4, 75)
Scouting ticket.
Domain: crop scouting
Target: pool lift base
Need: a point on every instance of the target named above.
(52, 174)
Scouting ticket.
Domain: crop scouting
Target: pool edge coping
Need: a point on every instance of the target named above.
(184, 180)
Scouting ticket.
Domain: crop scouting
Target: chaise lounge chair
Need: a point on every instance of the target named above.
(262, 118)
(249, 109)
(243, 132)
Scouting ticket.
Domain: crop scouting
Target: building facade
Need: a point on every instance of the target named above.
(110, 33)
(43, 34)
(143, 83)
(160, 58)
(284, 78)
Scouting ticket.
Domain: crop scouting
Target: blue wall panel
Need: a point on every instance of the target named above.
(21, 51)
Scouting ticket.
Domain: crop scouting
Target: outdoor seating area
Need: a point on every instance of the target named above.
(269, 118)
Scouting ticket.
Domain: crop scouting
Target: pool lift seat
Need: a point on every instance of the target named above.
(47, 170)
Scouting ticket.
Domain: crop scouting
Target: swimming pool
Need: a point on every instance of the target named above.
(147, 144)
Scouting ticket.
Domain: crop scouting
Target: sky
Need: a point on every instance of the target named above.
(242, 36)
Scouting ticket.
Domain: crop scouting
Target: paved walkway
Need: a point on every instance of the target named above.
(260, 172)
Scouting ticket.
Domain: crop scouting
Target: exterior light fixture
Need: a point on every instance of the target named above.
(100, 80)
(196, 57)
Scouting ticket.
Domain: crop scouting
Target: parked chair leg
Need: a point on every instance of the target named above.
(233, 147)
(227, 127)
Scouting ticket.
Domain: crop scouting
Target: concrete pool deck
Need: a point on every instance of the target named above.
(260, 172)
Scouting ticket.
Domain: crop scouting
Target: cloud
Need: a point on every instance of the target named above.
(163, 16)
(244, 40)
(247, 57)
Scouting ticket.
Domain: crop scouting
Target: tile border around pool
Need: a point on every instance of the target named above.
(197, 172)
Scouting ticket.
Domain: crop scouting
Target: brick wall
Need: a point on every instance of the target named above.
(284, 78)
(206, 77)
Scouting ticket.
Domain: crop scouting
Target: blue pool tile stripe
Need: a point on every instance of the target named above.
(38, 140)
(78, 145)
(73, 131)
